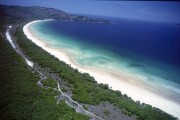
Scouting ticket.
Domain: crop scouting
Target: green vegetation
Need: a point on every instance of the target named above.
(106, 113)
(20, 96)
(85, 107)
(49, 82)
(63, 89)
(85, 89)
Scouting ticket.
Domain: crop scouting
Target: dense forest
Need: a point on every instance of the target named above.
(22, 98)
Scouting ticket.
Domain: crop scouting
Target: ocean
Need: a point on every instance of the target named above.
(146, 49)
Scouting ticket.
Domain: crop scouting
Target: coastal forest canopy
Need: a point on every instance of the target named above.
(22, 98)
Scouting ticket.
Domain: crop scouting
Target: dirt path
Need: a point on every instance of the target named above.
(68, 100)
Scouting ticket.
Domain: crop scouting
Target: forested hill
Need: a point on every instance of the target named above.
(21, 97)
(21, 14)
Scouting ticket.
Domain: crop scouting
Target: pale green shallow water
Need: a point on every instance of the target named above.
(87, 55)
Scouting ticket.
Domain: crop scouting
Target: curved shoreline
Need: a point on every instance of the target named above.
(127, 84)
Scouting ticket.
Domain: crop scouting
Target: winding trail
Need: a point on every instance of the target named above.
(78, 107)
(68, 100)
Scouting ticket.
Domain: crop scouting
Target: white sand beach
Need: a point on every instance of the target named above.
(132, 85)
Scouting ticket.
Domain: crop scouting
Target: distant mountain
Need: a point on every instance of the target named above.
(19, 13)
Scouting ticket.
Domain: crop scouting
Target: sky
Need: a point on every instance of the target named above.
(163, 11)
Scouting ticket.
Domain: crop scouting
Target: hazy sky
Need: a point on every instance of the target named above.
(145, 10)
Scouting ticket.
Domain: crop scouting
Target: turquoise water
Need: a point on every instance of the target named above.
(88, 52)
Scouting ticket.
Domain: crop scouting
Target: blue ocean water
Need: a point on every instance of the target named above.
(149, 49)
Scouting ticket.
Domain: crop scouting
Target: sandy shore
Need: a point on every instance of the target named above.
(132, 85)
